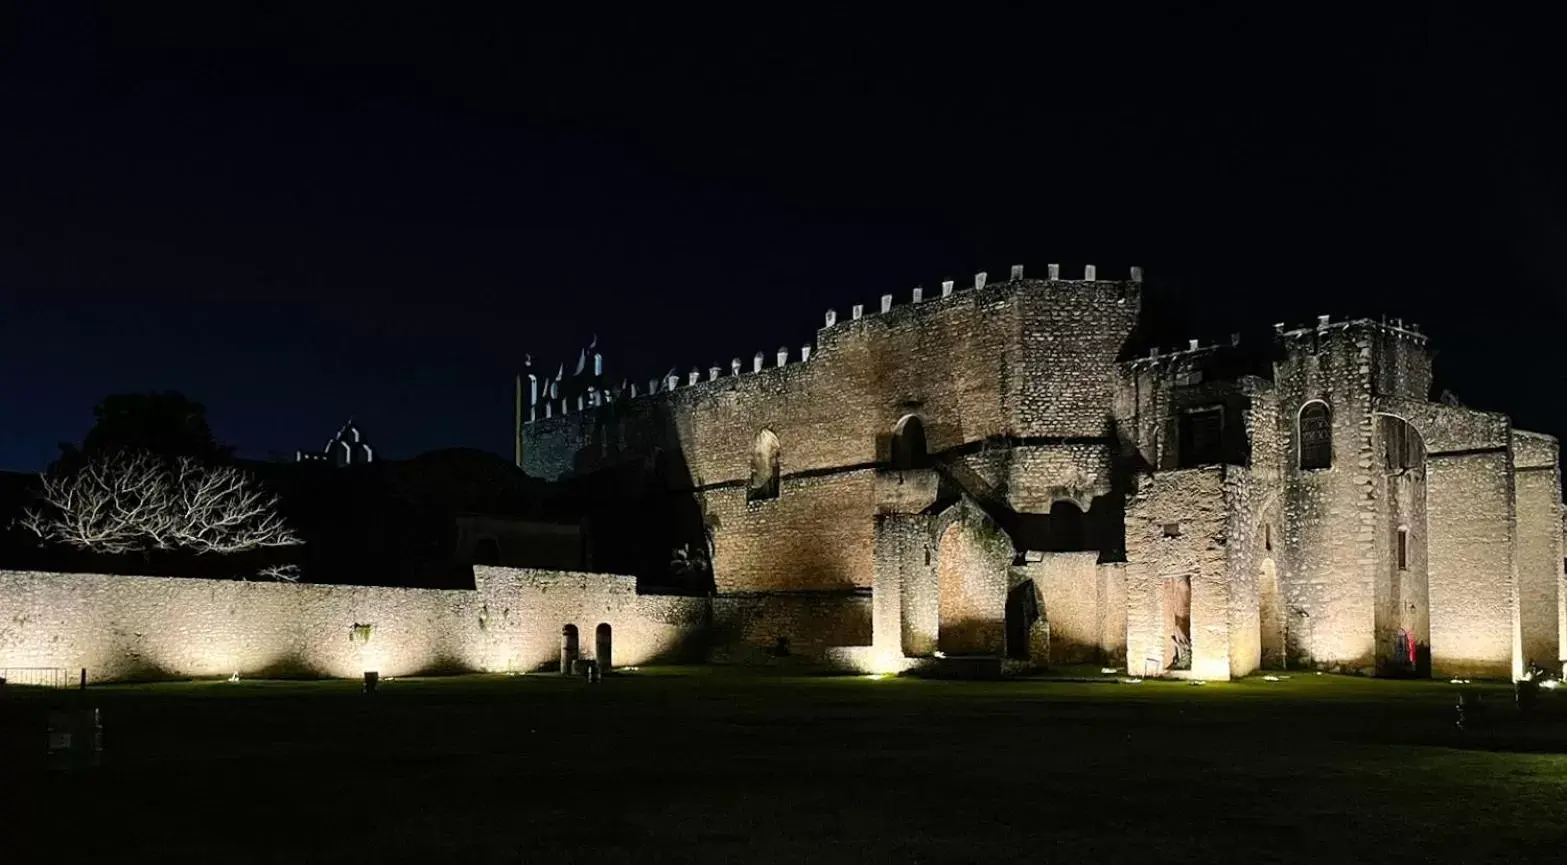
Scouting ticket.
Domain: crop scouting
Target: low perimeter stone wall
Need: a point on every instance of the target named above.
(121, 628)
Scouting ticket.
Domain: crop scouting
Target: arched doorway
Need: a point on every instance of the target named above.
(568, 649)
(908, 444)
(1270, 616)
(601, 646)
(1022, 612)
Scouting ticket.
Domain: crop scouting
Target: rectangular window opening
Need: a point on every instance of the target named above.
(1201, 437)
(1172, 530)
(1403, 549)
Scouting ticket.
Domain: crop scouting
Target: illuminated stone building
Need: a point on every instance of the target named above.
(988, 470)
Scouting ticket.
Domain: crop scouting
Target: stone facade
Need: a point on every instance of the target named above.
(991, 467)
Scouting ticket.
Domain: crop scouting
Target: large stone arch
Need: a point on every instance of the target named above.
(971, 564)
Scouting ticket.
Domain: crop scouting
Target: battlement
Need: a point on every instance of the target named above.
(1194, 351)
(1395, 327)
(560, 395)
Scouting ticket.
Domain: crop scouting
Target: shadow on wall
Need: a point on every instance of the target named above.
(640, 512)
(290, 666)
(1066, 528)
(137, 668)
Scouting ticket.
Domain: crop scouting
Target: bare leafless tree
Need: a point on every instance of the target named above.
(133, 502)
(222, 510)
(281, 573)
(109, 505)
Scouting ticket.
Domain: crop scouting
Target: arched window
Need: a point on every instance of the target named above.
(1402, 445)
(908, 444)
(764, 467)
(1316, 436)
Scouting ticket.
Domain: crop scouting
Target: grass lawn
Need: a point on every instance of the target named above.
(729, 766)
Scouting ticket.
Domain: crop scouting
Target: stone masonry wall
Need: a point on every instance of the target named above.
(754, 627)
(1251, 518)
(1192, 504)
(1085, 606)
(1328, 564)
(817, 534)
(1025, 366)
(903, 569)
(1473, 595)
(1538, 497)
(162, 627)
(1471, 537)
(1470, 519)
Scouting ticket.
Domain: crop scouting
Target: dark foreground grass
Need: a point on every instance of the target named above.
(695, 765)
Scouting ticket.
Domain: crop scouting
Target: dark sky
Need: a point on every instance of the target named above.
(301, 213)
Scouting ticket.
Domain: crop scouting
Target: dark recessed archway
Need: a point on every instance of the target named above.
(908, 444)
(602, 648)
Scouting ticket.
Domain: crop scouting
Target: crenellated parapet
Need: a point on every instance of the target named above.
(587, 388)
(1395, 327)
(950, 290)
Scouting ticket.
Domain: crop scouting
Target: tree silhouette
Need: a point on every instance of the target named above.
(167, 424)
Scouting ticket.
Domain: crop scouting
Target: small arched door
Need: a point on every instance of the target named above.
(568, 649)
(602, 647)
(908, 444)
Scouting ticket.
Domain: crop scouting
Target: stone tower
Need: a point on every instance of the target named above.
(1393, 507)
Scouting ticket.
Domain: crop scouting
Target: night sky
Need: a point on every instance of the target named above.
(305, 213)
